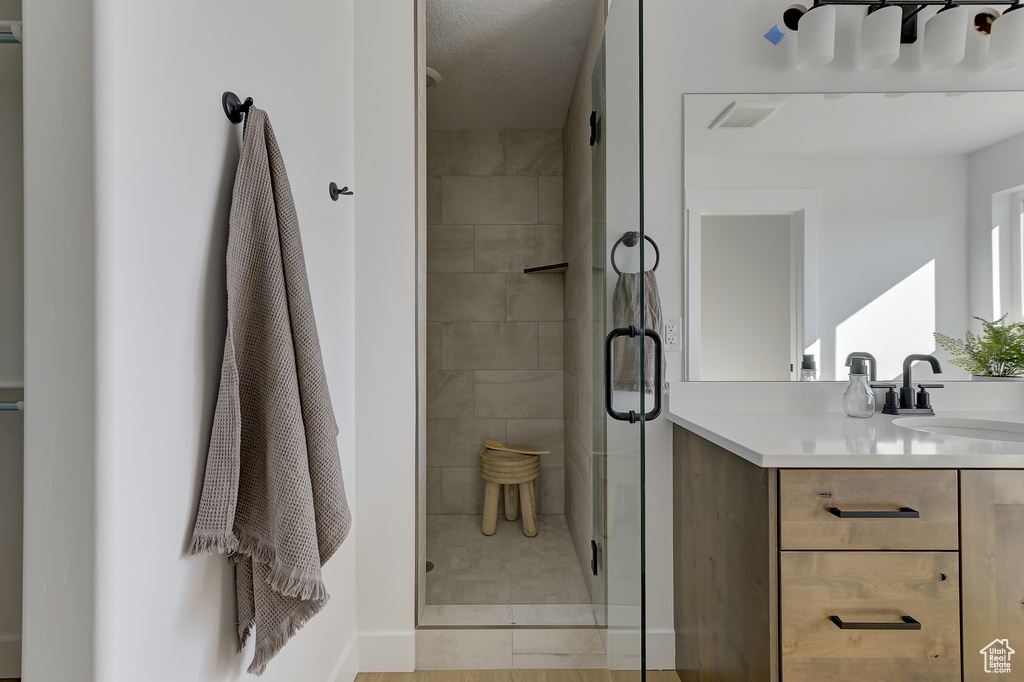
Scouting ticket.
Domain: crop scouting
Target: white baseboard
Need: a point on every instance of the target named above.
(348, 666)
(661, 650)
(387, 652)
(10, 657)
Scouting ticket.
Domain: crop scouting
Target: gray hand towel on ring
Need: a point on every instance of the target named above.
(626, 310)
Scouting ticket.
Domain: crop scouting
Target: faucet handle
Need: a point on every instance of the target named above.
(923, 399)
(891, 397)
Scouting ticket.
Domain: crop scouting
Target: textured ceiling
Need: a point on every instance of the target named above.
(504, 63)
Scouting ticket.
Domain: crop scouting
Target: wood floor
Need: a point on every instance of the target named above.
(518, 676)
(508, 676)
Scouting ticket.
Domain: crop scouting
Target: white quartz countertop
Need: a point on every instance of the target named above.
(799, 433)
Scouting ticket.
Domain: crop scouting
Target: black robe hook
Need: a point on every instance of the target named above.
(234, 107)
(335, 192)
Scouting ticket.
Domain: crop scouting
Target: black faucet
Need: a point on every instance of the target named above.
(867, 356)
(908, 402)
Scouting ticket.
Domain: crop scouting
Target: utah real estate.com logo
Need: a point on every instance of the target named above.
(997, 656)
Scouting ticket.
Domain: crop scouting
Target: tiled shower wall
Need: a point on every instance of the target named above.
(494, 334)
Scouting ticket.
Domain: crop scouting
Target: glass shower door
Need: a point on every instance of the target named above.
(620, 335)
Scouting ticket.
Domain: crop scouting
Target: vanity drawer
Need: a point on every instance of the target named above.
(810, 501)
(868, 589)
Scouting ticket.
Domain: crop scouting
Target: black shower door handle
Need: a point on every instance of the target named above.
(632, 332)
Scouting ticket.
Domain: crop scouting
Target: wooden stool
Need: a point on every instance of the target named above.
(517, 473)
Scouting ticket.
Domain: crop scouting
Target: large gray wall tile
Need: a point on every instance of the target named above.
(489, 200)
(551, 200)
(433, 490)
(459, 297)
(551, 491)
(489, 345)
(578, 284)
(533, 152)
(449, 394)
(458, 442)
(450, 248)
(465, 152)
(462, 490)
(433, 201)
(433, 345)
(542, 434)
(579, 350)
(513, 248)
(551, 345)
(535, 297)
(519, 394)
(578, 221)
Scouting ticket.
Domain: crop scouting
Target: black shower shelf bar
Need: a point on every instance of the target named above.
(547, 269)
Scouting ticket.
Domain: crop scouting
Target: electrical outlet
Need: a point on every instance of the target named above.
(674, 335)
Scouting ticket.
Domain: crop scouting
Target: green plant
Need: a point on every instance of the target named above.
(997, 352)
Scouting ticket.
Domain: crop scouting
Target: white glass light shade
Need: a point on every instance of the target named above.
(880, 37)
(945, 39)
(816, 37)
(1006, 49)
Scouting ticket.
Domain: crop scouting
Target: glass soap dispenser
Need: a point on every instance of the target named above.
(859, 399)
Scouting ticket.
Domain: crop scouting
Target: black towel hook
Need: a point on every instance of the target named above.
(335, 192)
(234, 107)
(631, 239)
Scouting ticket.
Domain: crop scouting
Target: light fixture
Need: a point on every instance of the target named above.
(892, 23)
(1007, 47)
(945, 38)
(816, 37)
(880, 36)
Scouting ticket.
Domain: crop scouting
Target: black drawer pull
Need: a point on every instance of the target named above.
(907, 624)
(903, 513)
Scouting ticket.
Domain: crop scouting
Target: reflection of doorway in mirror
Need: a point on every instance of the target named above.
(737, 290)
(748, 298)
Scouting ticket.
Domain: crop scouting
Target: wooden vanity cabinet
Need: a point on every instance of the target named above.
(762, 563)
(992, 556)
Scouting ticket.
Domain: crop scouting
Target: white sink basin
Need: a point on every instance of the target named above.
(984, 429)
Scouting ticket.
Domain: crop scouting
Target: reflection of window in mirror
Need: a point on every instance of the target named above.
(1017, 258)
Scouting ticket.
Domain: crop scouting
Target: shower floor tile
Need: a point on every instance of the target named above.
(504, 568)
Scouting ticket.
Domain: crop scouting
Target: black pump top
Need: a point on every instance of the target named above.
(858, 366)
(809, 363)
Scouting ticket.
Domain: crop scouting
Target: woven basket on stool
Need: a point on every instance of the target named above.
(517, 473)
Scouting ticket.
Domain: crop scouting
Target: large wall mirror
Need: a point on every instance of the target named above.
(826, 224)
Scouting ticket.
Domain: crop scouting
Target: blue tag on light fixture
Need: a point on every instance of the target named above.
(775, 36)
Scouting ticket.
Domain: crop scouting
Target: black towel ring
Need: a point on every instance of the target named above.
(632, 239)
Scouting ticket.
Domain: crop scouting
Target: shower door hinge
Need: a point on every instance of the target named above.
(593, 556)
(593, 128)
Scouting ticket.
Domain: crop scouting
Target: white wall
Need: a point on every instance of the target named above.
(60, 268)
(993, 170)
(131, 604)
(881, 222)
(385, 271)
